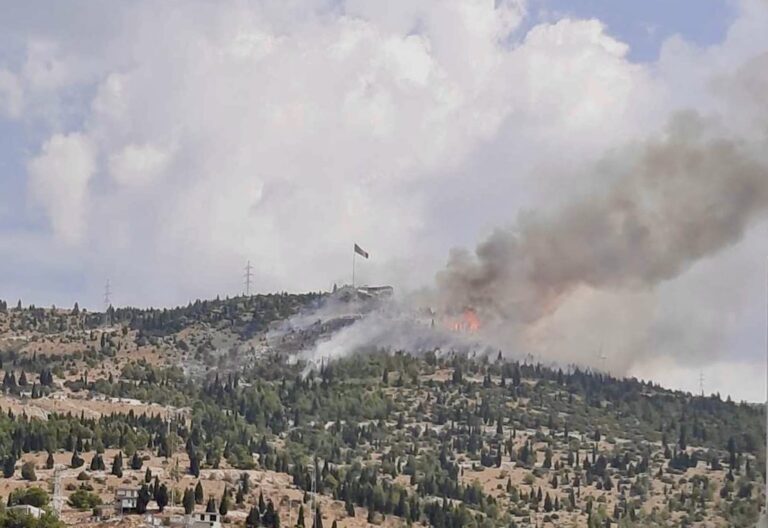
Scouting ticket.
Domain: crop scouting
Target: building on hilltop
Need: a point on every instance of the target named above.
(126, 500)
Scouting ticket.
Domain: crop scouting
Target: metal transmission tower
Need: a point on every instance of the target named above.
(248, 276)
(601, 357)
(701, 382)
(107, 303)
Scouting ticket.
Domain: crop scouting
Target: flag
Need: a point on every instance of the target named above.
(360, 251)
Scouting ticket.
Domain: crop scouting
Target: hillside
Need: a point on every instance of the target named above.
(201, 407)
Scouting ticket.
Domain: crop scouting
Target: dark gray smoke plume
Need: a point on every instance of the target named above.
(667, 203)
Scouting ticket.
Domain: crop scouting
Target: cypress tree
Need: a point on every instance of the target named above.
(253, 519)
(224, 506)
(117, 464)
(189, 501)
(136, 462)
(161, 497)
(199, 495)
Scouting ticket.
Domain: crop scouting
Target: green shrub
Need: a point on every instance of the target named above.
(32, 496)
(28, 471)
(84, 500)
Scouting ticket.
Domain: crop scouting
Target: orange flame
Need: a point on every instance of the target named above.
(471, 321)
(467, 322)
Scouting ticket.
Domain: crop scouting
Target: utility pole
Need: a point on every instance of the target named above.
(248, 275)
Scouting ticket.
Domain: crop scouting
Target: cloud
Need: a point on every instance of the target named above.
(742, 381)
(11, 95)
(138, 165)
(170, 146)
(58, 180)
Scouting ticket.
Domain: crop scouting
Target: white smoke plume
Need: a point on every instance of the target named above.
(343, 323)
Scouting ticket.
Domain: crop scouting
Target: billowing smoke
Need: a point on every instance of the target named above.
(547, 286)
(666, 203)
(344, 323)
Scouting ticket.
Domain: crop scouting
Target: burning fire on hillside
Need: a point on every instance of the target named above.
(468, 321)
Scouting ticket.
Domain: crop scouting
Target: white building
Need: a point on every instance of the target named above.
(26, 509)
(126, 499)
(204, 520)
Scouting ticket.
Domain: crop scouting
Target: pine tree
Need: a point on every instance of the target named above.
(516, 376)
(136, 462)
(143, 500)
(271, 518)
(97, 462)
(161, 497)
(683, 440)
(189, 501)
(253, 519)
(318, 523)
(117, 464)
(224, 506)
(457, 375)
(262, 505)
(77, 460)
(199, 495)
(194, 465)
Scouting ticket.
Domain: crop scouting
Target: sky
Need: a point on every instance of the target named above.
(161, 146)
